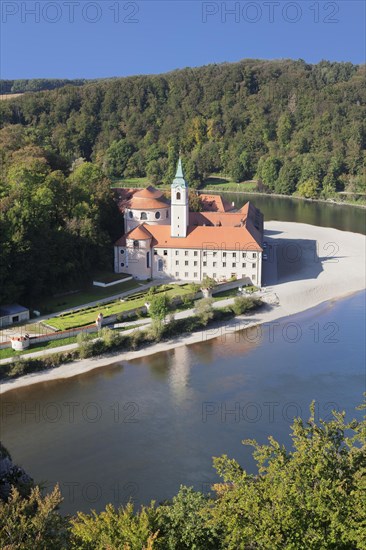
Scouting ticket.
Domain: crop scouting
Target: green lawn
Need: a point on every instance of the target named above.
(87, 316)
(130, 182)
(9, 352)
(218, 182)
(87, 294)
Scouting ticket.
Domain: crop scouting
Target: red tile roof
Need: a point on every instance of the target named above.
(214, 203)
(226, 238)
(226, 219)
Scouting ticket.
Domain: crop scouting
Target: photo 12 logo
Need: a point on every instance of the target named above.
(269, 12)
(69, 12)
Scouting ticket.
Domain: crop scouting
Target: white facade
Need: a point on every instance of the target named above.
(158, 216)
(188, 264)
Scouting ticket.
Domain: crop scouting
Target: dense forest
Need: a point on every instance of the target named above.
(296, 127)
(311, 497)
(36, 84)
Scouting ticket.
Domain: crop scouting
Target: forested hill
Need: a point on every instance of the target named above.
(297, 127)
(285, 122)
(36, 84)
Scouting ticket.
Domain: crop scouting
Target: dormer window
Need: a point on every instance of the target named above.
(135, 244)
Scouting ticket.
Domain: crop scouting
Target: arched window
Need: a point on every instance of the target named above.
(160, 265)
(178, 196)
(143, 216)
(130, 214)
(157, 215)
(122, 251)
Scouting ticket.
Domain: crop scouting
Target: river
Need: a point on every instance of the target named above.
(140, 429)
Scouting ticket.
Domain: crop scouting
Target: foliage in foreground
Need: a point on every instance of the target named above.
(309, 497)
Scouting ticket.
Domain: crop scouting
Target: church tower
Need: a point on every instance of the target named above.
(179, 204)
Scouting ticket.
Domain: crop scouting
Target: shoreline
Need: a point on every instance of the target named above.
(83, 366)
(318, 277)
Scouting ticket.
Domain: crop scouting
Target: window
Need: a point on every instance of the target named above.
(233, 265)
(253, 266)
(186, 252)
(135, 244)
(122, 264)
(195, 275)
(122, 251)
(147, 260)
(178, 196)
(194, 263)
(214, 254)
(254, 254)
(130, 214)
(176, 262)
(223, 264)
(186, 275)
(186, 262)
(155, 252)
(160, 265)
(205, 253)
(157, 215)
(165, 252)
(213, 264)
(143, 216)
(167, 214)
(177, 252)
(234, 254)
(224, 254)
(244, 254)
(195, 253)
(204, 264)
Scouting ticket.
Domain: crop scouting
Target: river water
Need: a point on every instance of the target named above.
(140, 429)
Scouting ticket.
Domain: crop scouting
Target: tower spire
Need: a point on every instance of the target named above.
(179, 173)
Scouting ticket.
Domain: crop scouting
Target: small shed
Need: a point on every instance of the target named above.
(13, 313)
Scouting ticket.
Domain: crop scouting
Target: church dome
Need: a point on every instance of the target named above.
(148, 199)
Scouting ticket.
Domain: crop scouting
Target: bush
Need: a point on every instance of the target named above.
(204, 310)
(242, 304)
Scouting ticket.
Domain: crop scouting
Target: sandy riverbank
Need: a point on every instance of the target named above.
(306, 266)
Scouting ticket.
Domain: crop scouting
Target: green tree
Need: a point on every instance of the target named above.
(307, 497)
(183, 522)
(309, 189)
(159, 307)
(33, 522)
(204, 310)
(117, 157)
(115, 529)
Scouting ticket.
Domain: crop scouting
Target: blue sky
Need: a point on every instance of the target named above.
(91, 39)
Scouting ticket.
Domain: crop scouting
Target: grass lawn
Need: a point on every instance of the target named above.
(226, 294)
(87, 294)
(87, 316)
(130, 182)
(215, 183)
(9, 352)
